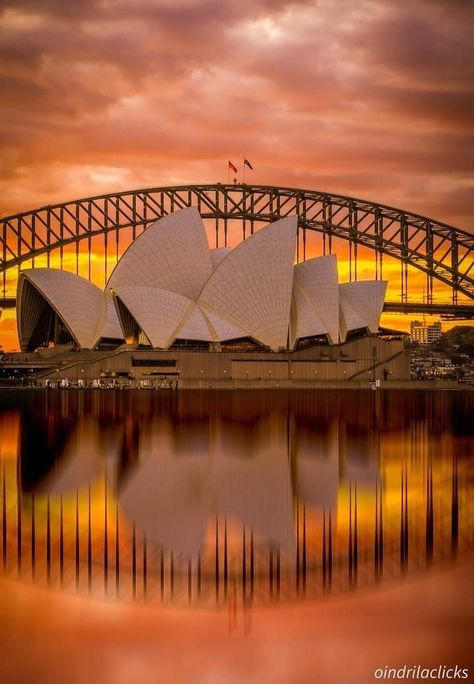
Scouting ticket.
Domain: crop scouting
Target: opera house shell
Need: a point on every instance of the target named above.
(169, 288)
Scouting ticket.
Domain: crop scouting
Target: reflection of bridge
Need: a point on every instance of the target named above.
(108, 224)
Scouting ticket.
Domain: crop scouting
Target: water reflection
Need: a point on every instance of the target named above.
(209, 496)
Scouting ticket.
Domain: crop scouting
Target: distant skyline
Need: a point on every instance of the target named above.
(370, 98)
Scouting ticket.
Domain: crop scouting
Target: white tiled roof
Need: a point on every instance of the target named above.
(196, 327)
(172, 254)
(111, 327)
(218, 254)
(158, 312)
(304, 320)
(317, 297)
(223, 328)
(361, 304)
(252, 285)
(203, 324)
(81, 305)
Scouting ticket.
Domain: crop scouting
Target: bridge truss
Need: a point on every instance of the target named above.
(444, 254)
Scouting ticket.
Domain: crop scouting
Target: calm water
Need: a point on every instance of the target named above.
(215, 497)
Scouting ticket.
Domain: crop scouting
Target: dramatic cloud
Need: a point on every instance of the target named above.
(371, 98)
(362, 97)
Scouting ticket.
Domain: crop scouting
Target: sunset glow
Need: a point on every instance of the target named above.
(362, 98)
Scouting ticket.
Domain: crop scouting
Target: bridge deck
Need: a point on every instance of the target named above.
(452, 311)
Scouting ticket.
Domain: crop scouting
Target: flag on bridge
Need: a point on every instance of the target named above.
(247, 163)
(232, 167)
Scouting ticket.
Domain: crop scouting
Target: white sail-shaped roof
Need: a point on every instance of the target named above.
(316, 292)
(172, 254)
(361, 305)
(196, 327)
(223, 328)
(81, 305)
(252, 285)
(203, 324)
(218, 254)
(111, 327)
(348, 320)
(157, 312)
(304, 322)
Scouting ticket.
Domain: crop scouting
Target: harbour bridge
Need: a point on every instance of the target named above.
(76, 235)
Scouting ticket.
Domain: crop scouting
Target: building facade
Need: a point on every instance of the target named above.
(425, 333)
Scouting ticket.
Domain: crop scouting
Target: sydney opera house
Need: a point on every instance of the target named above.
(172, 302)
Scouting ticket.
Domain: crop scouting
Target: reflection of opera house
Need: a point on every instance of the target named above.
(176, 496)
(173, 475)
(172, 303)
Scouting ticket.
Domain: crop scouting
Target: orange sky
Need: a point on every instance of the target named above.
(373, 99)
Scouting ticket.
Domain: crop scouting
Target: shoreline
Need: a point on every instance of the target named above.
(261, 386)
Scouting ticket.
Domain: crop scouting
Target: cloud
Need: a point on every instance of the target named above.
(312, 91)
(370, 98)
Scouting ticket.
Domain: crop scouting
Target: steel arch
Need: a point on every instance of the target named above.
(441, 251)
